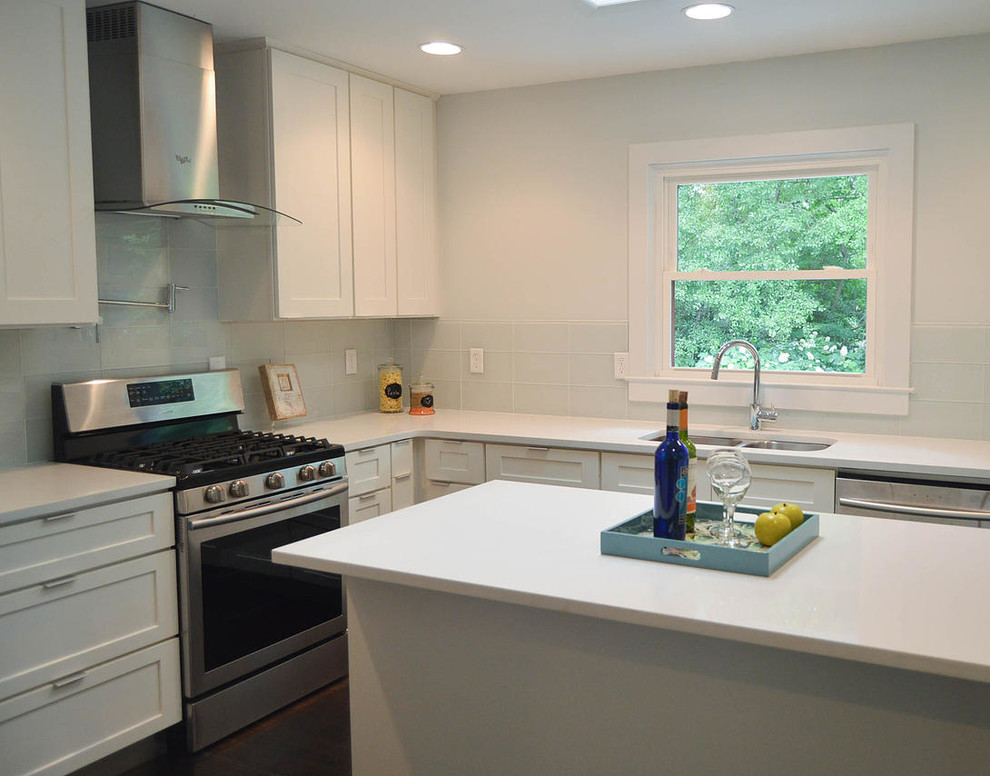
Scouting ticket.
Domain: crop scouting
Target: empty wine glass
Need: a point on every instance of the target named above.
(730, 477)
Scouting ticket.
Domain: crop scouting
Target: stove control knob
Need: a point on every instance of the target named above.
(307, 473)
(238, 489)
(328, 469)
(275, 480)
(214, 494)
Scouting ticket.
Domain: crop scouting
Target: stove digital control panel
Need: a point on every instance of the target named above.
(160, 392)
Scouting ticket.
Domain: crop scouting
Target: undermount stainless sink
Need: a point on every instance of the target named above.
(712, 440)
(784, 444)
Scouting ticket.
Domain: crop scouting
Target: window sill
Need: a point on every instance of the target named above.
(822, 397)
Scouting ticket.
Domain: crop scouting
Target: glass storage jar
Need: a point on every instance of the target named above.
(421, 398)
(390, 387)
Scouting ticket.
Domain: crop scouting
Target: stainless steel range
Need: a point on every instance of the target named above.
(255, 636)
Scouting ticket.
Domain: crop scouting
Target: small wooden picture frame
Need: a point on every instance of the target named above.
(283, 393)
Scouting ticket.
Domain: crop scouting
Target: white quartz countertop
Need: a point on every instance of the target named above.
(50, 488)
(920, 456)
(895, 593)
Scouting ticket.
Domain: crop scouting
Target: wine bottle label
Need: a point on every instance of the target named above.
(692, 486)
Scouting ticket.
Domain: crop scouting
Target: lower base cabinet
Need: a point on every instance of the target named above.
(89, 649)
(810, 488)
(61, 726)
(369, 505)
(547, 465)
(380, 479)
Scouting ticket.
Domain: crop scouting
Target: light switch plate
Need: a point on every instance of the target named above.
(217, 363)
(350, 362)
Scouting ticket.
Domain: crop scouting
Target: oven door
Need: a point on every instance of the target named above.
(239, 611)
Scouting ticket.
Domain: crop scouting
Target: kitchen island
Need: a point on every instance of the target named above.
(489, 635)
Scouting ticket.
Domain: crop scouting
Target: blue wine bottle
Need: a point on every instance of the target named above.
(671, 478)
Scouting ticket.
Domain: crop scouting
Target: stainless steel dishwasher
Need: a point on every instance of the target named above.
(926, 501)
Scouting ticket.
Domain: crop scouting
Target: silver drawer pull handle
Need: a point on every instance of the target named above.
(57, 582)
(905, 509)
(538, 449)
(60, 683)
(366, 496)
(367, 451)
(402, 476)
(63, 516)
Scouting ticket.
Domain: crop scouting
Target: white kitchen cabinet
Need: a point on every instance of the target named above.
(553, 466)
(393, 157)
(110, 611)
(373, 196)
(63, 543)
(451, 465)
(812, 489)
(403, 479)
(47, 231)
(634, 473)
(78, 719)
(89, 649)
(380, 479)
(284, 133)
(368, 469)
(369, 505)
(455, 461)
(435, 489)
(416, 253)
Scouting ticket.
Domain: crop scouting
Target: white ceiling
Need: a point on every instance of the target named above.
(519, 42)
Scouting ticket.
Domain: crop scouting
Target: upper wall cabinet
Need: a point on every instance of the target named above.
(354, 160)
(47, 233)
(284, 134)
(393, 156)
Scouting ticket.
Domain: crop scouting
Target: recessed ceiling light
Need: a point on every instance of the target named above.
(708, 11)
(441, 48)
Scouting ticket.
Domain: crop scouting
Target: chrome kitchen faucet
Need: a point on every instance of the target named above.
(756, 413)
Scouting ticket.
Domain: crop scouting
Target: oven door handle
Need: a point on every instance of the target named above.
(205, 522)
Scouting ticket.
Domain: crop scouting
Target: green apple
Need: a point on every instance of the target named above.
(771, 527)
(794, 513)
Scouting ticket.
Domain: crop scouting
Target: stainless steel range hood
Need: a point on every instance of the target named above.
(153, 107)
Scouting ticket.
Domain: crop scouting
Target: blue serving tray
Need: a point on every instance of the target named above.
(629, 539)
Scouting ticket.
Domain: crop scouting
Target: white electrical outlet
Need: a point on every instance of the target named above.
(620, 365)
(350, 361)
(477, 362)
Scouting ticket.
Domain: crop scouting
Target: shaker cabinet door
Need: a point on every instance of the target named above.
(47, 232)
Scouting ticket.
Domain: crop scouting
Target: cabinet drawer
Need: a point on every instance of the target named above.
(369, 505)
(576, 468)
(811, 489)
(437, 489)
(79, 718)
(628, 472)
(67, 624)
(369, 469)
(38, 550)
(450, 460)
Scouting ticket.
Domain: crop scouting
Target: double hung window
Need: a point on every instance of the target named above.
(798, 242)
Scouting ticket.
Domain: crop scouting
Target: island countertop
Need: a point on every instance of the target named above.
(894, 593)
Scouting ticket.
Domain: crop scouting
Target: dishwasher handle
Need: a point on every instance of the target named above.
(907, 509)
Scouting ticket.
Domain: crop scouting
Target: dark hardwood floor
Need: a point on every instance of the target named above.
(309, 738)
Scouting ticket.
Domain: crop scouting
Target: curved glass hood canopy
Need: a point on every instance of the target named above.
(217, 211)
(154, 122)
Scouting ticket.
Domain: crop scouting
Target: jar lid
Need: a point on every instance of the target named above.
(421, 386)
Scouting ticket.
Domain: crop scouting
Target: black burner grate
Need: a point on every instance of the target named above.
(224, 452)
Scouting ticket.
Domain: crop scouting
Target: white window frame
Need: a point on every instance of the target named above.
(885, 153)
